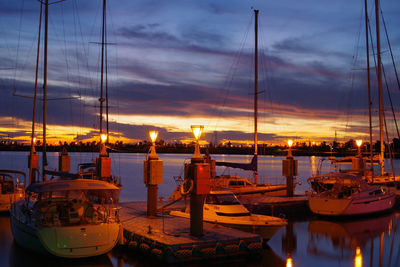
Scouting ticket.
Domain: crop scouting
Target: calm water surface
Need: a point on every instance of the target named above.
(372, 241)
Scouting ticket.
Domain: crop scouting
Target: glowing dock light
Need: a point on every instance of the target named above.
(103, 138)
(33, 150)
(197, 130)
(359, 143)
(290, 143)
(153, 137)
(103, 150)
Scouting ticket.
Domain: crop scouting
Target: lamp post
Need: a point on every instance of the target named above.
(198, 173)
(358, 161)
(153, 172)
(103, 162)
(33, 162)
(290, 143)
(359, 143)
(153, 137)
(103, 149)
(289, 169)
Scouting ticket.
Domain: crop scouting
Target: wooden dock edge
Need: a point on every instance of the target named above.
(178, 253)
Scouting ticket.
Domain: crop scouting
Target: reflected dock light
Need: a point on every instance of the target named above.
(153, 137)
(197, 130)
(289, 262)
(358, 258)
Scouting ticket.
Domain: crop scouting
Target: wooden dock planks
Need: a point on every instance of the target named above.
(167, 237)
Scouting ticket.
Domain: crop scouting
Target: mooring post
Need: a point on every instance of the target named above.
(153, 176)
(289, 169)
(64, 161)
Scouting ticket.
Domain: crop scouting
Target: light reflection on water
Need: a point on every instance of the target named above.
(306, 243)
(362, 242)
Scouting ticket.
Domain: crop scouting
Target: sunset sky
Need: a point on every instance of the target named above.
(175, 63)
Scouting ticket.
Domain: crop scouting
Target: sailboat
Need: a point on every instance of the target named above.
(242, 185)
(383, 177)
(65, 216)
(350, 195)
(339, 194)
(12, 188)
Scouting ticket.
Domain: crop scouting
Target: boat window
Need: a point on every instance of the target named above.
(236, 183)
(376, 192)
(224, 199)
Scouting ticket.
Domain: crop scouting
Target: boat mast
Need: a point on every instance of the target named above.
(101, 99)
(369, 91)
(381, 111)
(255, 92)
(32, 152)
(46, 24)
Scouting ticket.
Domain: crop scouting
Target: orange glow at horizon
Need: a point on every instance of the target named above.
(315, 129)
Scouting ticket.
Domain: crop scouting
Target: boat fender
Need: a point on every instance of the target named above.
(242, 245)
(183, 185)
(196, 251)
(183, 253)
(254, 246)
(219, 249)
(157, 252)
(230, 249)
(208, 252)
(133, 244)
(144, 247)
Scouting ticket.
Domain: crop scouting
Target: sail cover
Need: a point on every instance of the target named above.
(252, 166)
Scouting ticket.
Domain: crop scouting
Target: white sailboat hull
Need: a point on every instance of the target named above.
(351, 206)
(76, 241)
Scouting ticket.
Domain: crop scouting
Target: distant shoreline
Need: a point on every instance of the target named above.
(273, 151)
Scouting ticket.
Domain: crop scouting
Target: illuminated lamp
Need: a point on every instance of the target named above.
(290, 143)
(359, 143)
(197, 130)
(153, 137)
(103, 150)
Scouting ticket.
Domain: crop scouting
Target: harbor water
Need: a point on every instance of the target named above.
(370, 241)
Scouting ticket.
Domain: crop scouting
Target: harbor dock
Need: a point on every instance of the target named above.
(168, 238)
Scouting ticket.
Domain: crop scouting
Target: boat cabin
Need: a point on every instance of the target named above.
(64, 204)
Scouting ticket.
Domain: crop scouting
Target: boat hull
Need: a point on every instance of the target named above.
(78, 241)
(255, 224)
(351, 206)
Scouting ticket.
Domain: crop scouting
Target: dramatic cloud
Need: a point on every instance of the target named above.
(176, 63)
